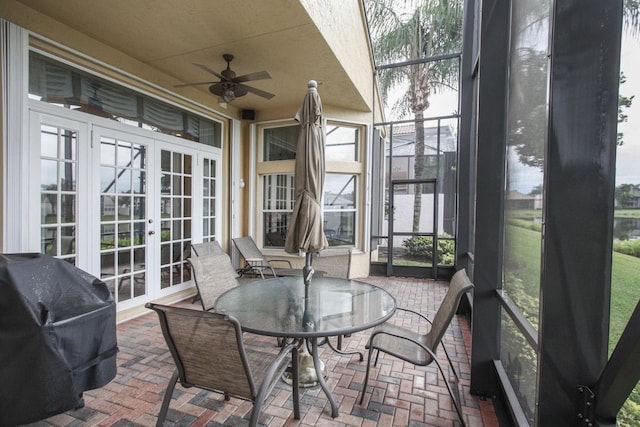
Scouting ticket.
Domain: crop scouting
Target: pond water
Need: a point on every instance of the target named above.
(623, 228)
(626, 228)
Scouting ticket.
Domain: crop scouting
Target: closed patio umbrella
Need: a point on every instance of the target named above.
(306, 231)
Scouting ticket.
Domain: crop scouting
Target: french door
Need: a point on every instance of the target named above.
(121, 203)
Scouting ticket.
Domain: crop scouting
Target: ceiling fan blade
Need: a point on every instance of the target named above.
(209, 70)
(258, 92)
(260, 75)
(195, 84)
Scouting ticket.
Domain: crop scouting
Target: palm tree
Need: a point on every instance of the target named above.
(425, 29)
(632, 16)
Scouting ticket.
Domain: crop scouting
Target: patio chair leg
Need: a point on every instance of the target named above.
(196, 298)
(339, 350)
(454, 397)
(366, 376)
(167, 398)
(295, 375)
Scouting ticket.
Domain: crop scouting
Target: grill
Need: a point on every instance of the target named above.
(57, 337)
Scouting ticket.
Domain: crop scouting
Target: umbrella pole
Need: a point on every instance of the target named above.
(307, 270)
(311, 370)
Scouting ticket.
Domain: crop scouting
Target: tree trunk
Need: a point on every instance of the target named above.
(418, 168)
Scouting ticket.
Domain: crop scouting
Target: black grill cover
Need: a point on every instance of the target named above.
(57, 337)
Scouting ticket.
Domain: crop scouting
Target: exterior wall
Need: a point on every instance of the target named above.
(128, 70)
(342, 25)
(90, 53)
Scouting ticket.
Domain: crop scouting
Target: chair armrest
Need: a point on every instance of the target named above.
(400, 336)
(408, 310)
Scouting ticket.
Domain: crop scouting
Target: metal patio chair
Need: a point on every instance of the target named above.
(335, 262)
(213, 275)
(210, 354)
(256, 263)
(420, 348)
(205, 248)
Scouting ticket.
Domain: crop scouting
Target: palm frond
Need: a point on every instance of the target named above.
(414, 30)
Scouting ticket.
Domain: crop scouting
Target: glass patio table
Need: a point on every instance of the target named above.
(285, 307)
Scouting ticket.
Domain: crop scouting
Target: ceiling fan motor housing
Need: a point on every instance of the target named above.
(230, 86)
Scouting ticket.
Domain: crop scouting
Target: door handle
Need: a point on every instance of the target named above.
(151, 232)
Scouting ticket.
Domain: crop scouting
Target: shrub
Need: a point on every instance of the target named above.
(422, 247)
(628, 247)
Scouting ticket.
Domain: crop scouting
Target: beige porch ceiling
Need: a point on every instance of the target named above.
(279, 36)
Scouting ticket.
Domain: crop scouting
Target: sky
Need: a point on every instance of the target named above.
(628, 155)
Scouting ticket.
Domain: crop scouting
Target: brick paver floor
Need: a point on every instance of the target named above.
(399, 394)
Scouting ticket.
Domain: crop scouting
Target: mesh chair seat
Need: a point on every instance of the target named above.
(402, 343)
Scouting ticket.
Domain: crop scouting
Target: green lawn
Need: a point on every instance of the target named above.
(523, 259)
(627, 213)
(625, 292)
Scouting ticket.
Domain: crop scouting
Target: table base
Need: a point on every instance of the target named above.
(307, 375)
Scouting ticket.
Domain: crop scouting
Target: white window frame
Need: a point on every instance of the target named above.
(260, 168)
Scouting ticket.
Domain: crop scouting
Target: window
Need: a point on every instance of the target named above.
(340, 209)
(55, 83)
(342, 143)
(342, 179)
(278, 200)
(280, 143)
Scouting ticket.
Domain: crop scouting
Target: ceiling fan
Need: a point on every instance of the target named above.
(231, 87)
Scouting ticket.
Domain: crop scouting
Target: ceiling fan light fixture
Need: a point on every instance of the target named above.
(228, 94)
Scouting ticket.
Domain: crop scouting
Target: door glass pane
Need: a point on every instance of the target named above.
(58, 197)
(121, 232)
(49, 174)
(209, 200)
(176, 219)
